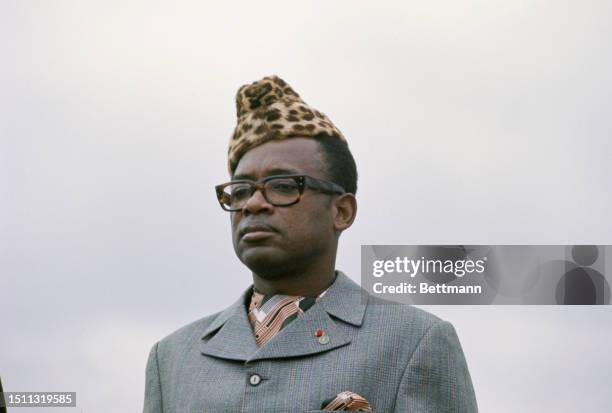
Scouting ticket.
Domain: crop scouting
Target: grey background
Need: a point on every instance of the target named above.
(482, 122)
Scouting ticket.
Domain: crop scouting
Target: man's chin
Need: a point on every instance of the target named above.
(264, 261)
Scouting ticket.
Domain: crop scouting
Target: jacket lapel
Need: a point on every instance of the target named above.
(230, 335)
(344, 300)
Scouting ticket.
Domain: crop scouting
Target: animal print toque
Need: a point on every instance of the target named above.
(269, 109)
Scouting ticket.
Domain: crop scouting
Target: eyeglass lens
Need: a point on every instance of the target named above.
(280, 191)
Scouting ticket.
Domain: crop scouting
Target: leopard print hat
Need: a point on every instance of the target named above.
(269, 109)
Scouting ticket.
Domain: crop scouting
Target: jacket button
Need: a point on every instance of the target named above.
(254, 380)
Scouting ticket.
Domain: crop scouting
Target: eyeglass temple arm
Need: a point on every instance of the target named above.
(325, 185)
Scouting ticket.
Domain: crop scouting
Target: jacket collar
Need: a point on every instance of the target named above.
(230, 335)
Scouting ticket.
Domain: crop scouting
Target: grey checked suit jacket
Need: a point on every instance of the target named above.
(400, 358)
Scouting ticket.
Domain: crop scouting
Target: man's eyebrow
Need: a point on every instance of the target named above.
(242, 176)
(276, 171)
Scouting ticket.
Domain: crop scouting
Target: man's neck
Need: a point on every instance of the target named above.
(304, 284)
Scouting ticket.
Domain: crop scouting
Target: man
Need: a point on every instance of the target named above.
(303, 337)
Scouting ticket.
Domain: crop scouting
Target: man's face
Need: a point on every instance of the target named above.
(280, 239)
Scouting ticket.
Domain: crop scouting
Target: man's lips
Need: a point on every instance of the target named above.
(255, 232)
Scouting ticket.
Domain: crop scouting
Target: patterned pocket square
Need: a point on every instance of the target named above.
(347, 401)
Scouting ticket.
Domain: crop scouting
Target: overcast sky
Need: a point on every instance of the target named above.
(482, 122)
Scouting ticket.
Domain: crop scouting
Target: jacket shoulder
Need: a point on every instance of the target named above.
(377, 304)
(187, 335)
(398, 318)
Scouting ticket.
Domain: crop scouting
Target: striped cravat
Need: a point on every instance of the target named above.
(268, 314)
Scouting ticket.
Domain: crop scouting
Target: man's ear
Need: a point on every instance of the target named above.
(345, 211)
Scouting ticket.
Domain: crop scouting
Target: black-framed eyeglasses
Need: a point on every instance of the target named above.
(278, 190)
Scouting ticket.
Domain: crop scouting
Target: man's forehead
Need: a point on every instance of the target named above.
(290, 156)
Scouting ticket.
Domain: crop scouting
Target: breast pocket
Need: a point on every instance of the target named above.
(319, 411)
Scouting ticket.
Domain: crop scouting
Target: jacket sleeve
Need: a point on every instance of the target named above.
(153, 394)
(436, 378)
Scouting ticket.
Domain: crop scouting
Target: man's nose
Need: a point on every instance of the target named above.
(257, 203)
